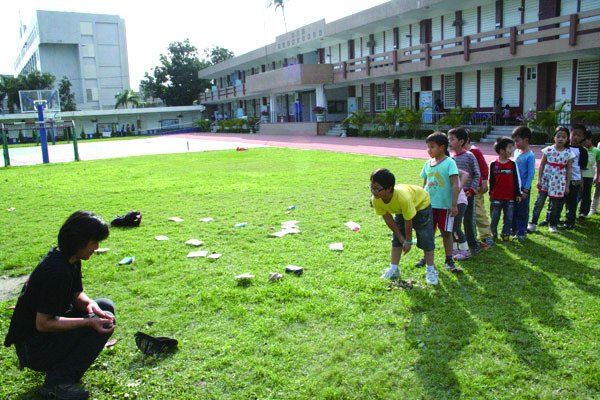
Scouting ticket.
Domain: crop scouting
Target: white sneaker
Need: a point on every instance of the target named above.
(531, 228)
(391, 274)
(431, 276)
(552, 229)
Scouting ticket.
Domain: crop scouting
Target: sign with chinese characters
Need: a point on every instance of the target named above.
(300, 36)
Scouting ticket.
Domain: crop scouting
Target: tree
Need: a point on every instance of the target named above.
(176, 80)
(277, 4)
(125, 97)
(35, 80)
(217, 54)
(67, 99)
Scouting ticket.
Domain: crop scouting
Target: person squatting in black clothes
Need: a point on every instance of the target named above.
(56, 328)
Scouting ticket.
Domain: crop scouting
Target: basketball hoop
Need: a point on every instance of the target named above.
(40, 103)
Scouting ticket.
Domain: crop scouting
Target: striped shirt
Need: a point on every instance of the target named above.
(467, 162)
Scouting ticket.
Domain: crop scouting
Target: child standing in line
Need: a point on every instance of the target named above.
(596, 151)
(482, 219)
(589, 175)
(580, 156)
(461, 247)
(440, 180)
(404, 207)
(505, 187)
(525, 160)
(554, 176)
(466, 161)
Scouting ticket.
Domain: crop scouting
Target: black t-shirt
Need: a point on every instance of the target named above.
(50, 290)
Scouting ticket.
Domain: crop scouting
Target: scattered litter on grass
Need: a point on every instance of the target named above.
(290, 208)
(175, 219)
(101, 250)
(214, 256)
(275, 276)
(161, 238)
(207, 219)
(11, 209)
(195, 242)
(353, 226)
(194, 254)
(294, 269)
(336, 246)
(244, 279)
(241, 148)
(111, 343)
(149, 323)
(126, 260)
(287, 228)
(241, 224)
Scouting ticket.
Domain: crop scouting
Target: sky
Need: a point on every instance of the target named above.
(238, 25)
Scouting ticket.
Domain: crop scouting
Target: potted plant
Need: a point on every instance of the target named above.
(319, 113)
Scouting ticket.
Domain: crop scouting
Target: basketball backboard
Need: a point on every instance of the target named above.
(29, 98)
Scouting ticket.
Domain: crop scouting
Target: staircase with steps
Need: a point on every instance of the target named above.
(336, 130)
(497, 131)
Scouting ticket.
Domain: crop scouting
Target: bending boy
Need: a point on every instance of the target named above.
(411, 209)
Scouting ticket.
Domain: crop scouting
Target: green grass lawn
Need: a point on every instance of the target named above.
(521, 323)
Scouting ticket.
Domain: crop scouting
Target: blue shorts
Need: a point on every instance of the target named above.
(423, 226)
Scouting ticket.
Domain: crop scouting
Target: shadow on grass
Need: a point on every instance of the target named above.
(505, 294)
(438, 342)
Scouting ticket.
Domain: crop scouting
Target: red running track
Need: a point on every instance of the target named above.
(405, 148)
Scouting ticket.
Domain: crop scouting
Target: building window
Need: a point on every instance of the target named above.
(532, 73)
(92, 94)
(380, 97)
(587, 83)
(449, 91)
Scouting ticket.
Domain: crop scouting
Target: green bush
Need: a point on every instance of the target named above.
(203, 125)
(539, 137)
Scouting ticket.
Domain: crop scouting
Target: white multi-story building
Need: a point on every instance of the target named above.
(89, 49)
(529, 54)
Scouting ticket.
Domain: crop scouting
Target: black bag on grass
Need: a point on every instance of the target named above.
(133, 218)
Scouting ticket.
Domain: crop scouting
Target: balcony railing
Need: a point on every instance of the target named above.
(564, 27)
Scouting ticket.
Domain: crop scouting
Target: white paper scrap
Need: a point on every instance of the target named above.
(207, 219)
(352, 225)
(289, 224)
(336, 246)
(244, 276)
(193, 254)
(175, 219)
(214, 256)
(195, 242)
(11, 209)
(161, 238)
(101, 250)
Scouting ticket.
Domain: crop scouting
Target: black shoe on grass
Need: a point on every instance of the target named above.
(64, 391)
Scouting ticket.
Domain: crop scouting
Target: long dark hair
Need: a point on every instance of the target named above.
(78, 230)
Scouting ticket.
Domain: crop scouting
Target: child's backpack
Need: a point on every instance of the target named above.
(132, 218)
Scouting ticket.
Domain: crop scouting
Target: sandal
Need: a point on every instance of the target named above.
(154, 345)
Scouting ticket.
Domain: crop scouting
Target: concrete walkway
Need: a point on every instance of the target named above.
(197, 142)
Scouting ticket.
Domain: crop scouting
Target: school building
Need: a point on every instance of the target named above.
(529, 54)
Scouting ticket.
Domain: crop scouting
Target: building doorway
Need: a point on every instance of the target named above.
(530, 89)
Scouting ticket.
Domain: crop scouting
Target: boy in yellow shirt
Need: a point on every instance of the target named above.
(404, 208)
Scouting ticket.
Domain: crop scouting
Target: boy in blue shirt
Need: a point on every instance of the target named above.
(404, 207)
(525, 160)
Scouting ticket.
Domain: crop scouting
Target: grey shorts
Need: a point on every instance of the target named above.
(423, 226)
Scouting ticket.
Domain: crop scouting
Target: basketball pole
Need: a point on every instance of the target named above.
(5, 147)
(43, 135)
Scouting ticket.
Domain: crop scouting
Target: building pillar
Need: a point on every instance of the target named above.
(321, 97)
(273, 107)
